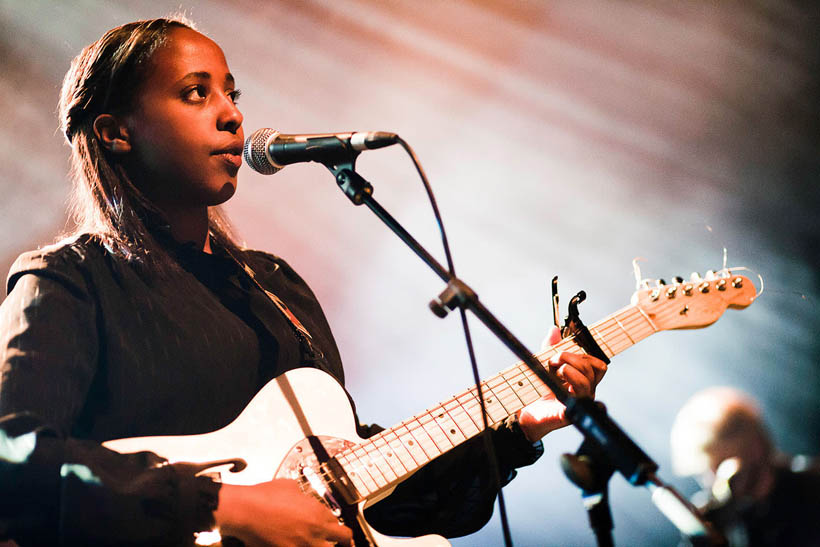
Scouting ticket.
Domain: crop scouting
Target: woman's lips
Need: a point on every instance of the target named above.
(232, 159)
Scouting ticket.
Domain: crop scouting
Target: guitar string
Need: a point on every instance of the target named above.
(496, 388)
(376, 455)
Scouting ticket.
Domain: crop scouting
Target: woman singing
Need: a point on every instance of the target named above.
(149, 319)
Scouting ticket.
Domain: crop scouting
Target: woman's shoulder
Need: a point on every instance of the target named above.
(265, 264)
(262, 261)
(65, 260)
(70, 252)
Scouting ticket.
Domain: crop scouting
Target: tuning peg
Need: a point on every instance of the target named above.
(678, 279)
(710, 274)
(656, 292)
(695, 277)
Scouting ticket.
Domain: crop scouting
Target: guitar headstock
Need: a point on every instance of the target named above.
(696, 303)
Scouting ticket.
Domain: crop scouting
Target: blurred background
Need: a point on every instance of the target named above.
(561, 137)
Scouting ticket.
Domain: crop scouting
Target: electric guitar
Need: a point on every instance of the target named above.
(301, 426)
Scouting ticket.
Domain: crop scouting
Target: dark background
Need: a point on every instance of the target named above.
(561, 138)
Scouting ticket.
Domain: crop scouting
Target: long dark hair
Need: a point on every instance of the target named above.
(105, 203)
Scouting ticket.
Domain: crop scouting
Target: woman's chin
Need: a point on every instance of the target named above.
(224, 194)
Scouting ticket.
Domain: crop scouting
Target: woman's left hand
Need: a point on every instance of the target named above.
(580, 374)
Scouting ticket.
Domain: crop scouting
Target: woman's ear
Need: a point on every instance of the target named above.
(113, 134)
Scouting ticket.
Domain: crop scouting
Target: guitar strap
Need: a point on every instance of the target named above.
(310, 352)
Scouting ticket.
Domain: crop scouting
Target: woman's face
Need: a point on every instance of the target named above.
(184, 129)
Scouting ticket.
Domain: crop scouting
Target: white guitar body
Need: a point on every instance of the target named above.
(269, 435)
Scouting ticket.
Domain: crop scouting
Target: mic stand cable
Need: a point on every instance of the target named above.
(359, 191)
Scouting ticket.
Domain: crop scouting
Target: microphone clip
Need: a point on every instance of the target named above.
(354, 186)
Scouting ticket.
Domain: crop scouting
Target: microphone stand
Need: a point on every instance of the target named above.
(606, 448)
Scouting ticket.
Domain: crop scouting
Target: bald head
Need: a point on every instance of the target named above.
(714, 425)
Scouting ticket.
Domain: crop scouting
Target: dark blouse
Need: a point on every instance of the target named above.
(90, 350)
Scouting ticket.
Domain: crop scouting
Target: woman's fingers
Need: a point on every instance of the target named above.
(582, 372)
(338, 534)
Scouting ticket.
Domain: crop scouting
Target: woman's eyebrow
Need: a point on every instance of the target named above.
(203, 75)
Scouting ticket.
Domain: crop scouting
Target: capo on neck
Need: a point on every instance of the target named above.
(573, 326)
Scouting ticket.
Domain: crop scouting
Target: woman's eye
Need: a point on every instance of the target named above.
(195, 93)
(234, 95)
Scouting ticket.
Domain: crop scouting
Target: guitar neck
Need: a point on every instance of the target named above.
(384, 460)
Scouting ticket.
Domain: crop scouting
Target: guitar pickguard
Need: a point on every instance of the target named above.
(302, 456)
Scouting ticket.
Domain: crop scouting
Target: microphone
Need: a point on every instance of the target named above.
(267, 150)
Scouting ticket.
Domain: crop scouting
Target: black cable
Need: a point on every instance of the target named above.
(502, 509)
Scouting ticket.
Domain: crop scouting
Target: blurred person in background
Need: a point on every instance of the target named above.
(753, 494)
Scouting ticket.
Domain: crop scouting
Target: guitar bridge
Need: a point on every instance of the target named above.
(319, 473)
(312, 464)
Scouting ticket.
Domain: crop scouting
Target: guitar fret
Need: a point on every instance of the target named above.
(433, 429)
(510, 398)
(623, 338)
(551, 352)
(358, 483)
(395, 444)
(495, 387)
(361, 473)
(489, 386)
(534, 381)
(377, 459)
(515, 380)
(601, 341)
(359, 477)
(624, 329)
(468, 402)
(370, 467)
(396, 465)
(618, 341)
(424, 440)
(448, 425)
(639, 328)
(510, 401)
(461, 419)
(413, 448)
(378, 477)
(648, 320)
(495, 410)
(473, 409)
